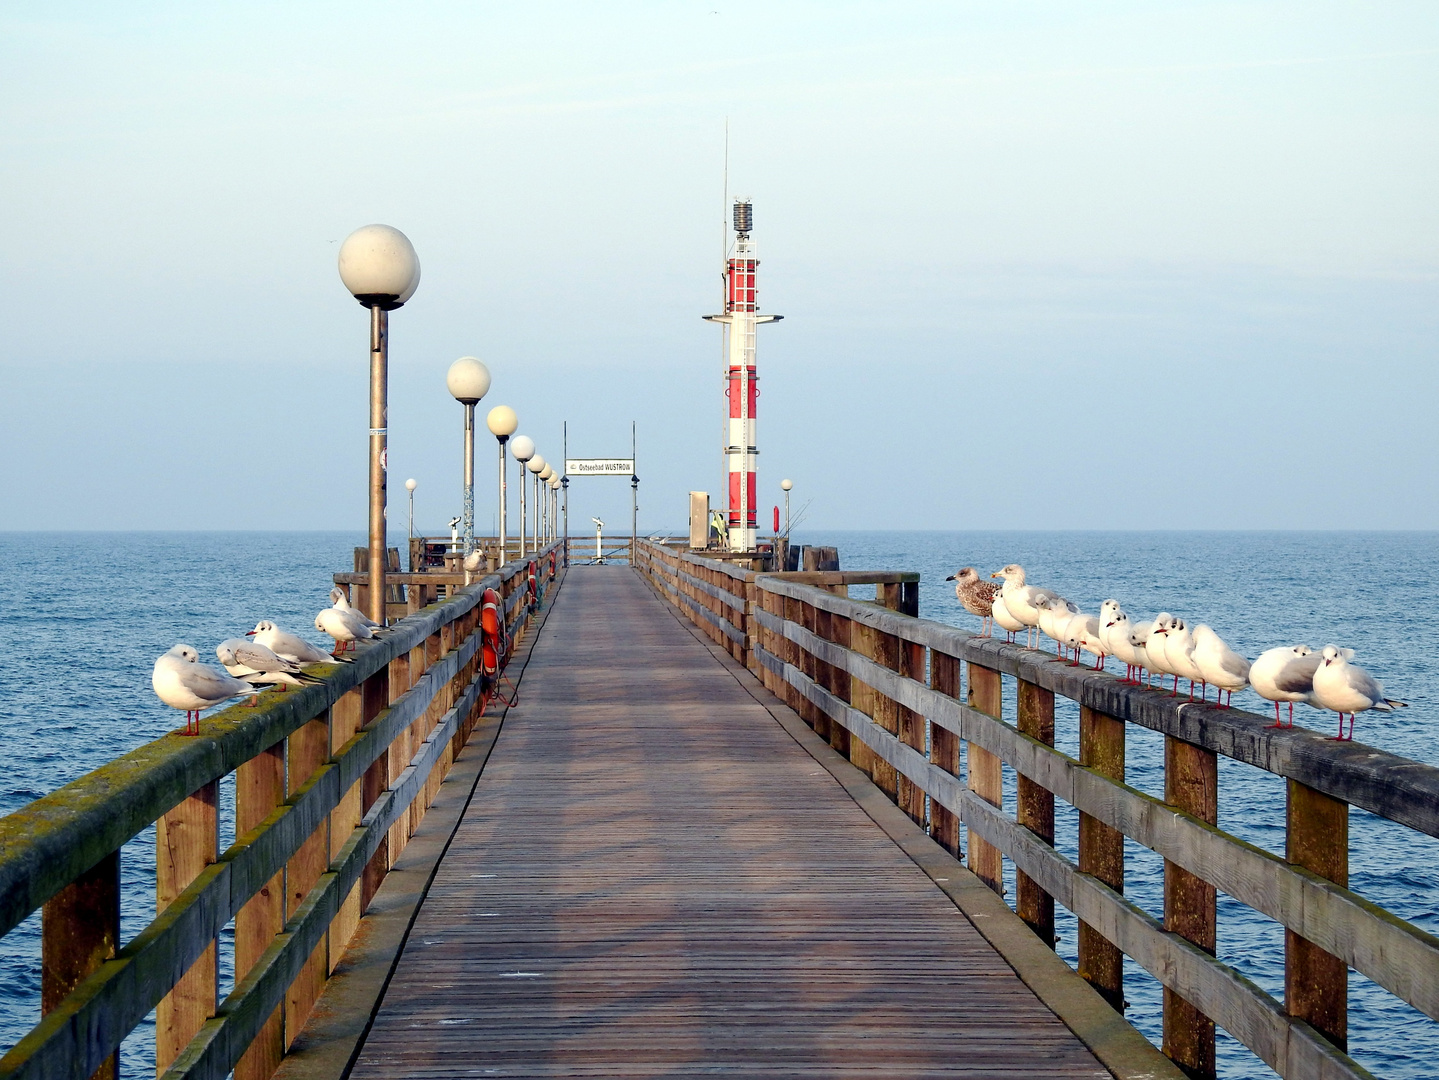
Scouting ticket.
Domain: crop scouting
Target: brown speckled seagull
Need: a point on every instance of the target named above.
(976, 595)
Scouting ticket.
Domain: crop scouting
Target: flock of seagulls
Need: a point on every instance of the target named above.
(1167, 646)
(265, 656)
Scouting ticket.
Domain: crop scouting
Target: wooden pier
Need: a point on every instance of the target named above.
(719, 831)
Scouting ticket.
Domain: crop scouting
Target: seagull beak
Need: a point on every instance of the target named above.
(996, 574)
(1108, 625)
(950, 578)
(249, 633)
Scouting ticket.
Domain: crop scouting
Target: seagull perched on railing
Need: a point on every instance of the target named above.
(1021, 600)
(1006, 622)
(340, 602)
(289, 647)
(260, 666)
(182, 682)
(1219, 665)
(344, 626)
(976, 596)
(1285, 674)
(1345, 688)
(1054, 615)
(1114, 631)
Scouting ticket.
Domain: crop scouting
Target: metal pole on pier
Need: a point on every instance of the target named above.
(502, 422)
(565, 486)
(522, 448)
(536, 465)
(379, 266)
(634, 498)
(468, 381)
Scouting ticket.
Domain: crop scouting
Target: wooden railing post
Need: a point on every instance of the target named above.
(1101, 853)
(944, 678)
(347, 716)
(1034, 807)
(259, 788)
(80, 930)
(840, 630)
(811, 714)
(879, 647)
(187, 840)
(375, 695)
(986, 777)
(308, 747)
(1191, 784)
(1316, 984)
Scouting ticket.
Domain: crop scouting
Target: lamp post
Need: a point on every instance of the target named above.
(522, 449)
(502, 422)
(536, 465)
(410, 486)
(468, 380)
(786, 485)
(379, 266)
(565, 494)
(544, 479)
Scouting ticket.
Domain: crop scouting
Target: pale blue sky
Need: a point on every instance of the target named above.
(1042, 265)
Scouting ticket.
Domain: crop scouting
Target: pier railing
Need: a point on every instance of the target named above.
(330, 780)
(886, 689)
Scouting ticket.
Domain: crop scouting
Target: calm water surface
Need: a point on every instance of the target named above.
(83, 616)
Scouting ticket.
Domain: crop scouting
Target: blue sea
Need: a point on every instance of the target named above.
(83, 616)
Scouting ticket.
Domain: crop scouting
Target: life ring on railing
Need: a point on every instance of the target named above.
(532, 583)
(553, 566)
(492, 633)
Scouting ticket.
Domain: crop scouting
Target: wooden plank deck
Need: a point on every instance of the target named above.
(654, 879)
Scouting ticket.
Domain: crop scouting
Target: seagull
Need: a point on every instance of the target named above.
(341, 626)
(340, 602)
(976, 596)
(182, 682)
(259, 666)
(1114, 630)
(1156, 648)
(1139, 642)
(289, 647)
(1082, 632)
(1179, 655)
(1285, 674)
(1054, 612)
(1345, 688)
(1007, 622)
(1219, 665)
(1022, 600)
(471, 562)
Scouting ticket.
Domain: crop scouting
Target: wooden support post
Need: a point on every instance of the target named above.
(397, 755)
(881, 648)
(1101, 853)
(1316, 984)
(259, 788)
(375, 695)
(308, 747)
(986, 777)
(80, 930)
(911, 728)
(841, 633)
(187, 840)
(347, 716)
(1034, 808)
(1191, 784)
(814, 716)
(944, 751)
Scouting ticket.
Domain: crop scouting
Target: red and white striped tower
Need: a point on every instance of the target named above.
(741, 316)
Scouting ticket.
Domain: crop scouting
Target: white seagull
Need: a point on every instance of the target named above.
(340, 602)
(1006, 622)
(1179, 655)
(1139, 642)
(1285, 674)
(260, 666)
(1082, 632)
(1219, 665)
(1114, 632)
(1345, 688)
(1054, 615)
(1156, 648)
(289, 647)
(182, 682)
(343, 627)
(1021, 600)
